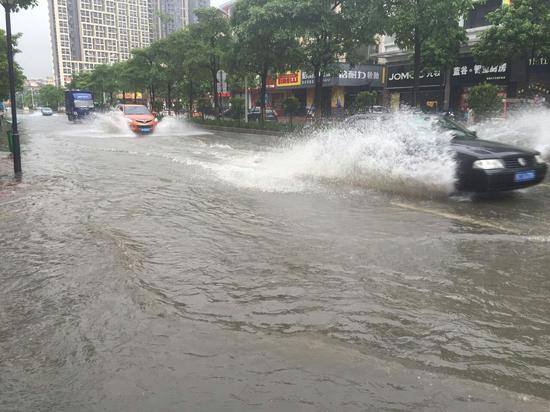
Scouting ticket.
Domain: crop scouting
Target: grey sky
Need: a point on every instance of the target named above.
(36, 52)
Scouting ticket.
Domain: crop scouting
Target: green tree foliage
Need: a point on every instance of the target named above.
(80, 81)
(364, 100)
(104, 81)
(327, 32)
(211, 36)
(147, 70)
(50, 96)
(25, 4)
(520, 31)
(4, 79)
(484, 100)
(187, 63)
(237, 108)
(430, 29)
(265, 40)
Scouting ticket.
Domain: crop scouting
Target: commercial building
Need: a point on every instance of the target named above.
(171, 15)
(433, 95)
(338, 92)
(85, 33)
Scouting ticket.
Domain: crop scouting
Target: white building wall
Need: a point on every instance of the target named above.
(86, 33)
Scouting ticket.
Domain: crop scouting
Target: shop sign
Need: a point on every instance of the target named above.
(403, 77)
(469, 73)
(360, 75)
(539, 65)
(289, 79)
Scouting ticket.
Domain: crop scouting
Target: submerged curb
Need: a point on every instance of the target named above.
(240, 130)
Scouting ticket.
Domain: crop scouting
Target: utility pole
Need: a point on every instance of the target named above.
(8, 5)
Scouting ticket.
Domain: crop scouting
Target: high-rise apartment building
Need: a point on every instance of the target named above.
(86, 33)
(172, 15)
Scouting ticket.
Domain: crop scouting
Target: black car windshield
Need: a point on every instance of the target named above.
(457, 130)
(136, 110)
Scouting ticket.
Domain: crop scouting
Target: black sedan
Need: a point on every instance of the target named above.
(482, 165)
(486, 166)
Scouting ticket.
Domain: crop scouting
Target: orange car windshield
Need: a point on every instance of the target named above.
(136, 110)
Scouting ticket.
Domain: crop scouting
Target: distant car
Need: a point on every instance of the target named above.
(140, 119)
(482, 165)
(46, 111)
(270, 115)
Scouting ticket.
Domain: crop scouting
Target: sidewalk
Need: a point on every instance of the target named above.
(6, 167)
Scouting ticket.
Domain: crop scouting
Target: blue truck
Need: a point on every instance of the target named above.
(78, 104)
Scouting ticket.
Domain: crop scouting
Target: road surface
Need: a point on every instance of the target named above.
(195, 270)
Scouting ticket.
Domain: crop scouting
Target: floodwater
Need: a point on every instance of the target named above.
(209, 271)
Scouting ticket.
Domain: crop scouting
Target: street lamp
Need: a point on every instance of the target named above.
(8, 6)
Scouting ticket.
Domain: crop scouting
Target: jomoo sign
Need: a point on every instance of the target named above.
(402, 76)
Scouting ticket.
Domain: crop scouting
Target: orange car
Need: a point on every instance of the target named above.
(140, 119)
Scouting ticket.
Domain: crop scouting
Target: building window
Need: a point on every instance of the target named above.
(477, 17)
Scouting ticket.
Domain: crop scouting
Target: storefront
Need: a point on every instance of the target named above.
(338, 91)
(468, 73)
(400, 85)
(540, 79)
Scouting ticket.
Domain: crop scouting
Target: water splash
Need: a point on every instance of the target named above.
(529, 128)
(399, 154)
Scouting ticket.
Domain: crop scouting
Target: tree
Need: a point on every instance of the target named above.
(327, 33)
(519, 31)
(291, 105)
(265, 40)
(146, 70)
(364, 100)
(4, 79)
(104, 80)
(25, 4)
(80, 81)
(430, 29)
(50, 96)
(187, 62)
(211, 35)
(484, 100)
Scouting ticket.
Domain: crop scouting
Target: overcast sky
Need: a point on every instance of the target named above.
(35, 45)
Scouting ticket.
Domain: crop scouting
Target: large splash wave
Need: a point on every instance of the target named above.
(529, 128)
(399, 154)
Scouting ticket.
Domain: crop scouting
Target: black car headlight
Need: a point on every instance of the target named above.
(539, 159)
(489, 164)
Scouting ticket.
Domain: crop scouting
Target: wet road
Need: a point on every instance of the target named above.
(194, 270)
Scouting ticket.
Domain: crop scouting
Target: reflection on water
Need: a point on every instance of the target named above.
(138, 269)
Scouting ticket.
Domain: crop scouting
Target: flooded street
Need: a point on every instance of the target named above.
(213, 271)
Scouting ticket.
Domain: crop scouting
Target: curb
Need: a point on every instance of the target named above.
(240, 130)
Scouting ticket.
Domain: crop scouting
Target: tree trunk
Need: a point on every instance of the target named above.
(214, 74)
(263, 95)
(318, 92)
(527, 72)
(169, 98)
(123, 97)
(417, 68)
(111, 98)
(447, 92)
(190, 96)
